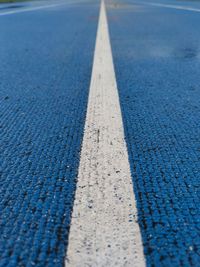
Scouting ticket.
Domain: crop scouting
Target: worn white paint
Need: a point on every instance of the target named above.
(104, 229)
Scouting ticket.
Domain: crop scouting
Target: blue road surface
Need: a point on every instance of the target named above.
(157, 59)
(45, 68)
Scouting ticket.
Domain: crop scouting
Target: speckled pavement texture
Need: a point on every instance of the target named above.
(43, 99)
(46, 60)
(156, 56)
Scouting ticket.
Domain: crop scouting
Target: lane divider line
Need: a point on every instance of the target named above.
(29, 9)
(171, 6)
(104, 229)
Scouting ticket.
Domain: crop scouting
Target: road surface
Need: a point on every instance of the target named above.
(134, 110)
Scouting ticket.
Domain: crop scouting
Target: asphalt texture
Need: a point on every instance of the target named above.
(157, 61)
(45, 70)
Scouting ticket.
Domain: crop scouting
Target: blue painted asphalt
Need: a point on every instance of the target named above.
(45, 68)
(157, 59)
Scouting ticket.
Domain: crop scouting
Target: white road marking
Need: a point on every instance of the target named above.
(171, 6)
(29, 9)
(104, 229)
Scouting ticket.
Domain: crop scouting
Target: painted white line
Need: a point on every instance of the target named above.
(29, 9)
(104, 229)
(172, 6)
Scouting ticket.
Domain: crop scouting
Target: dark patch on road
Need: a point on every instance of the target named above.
(11, 7)
(187, 53)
